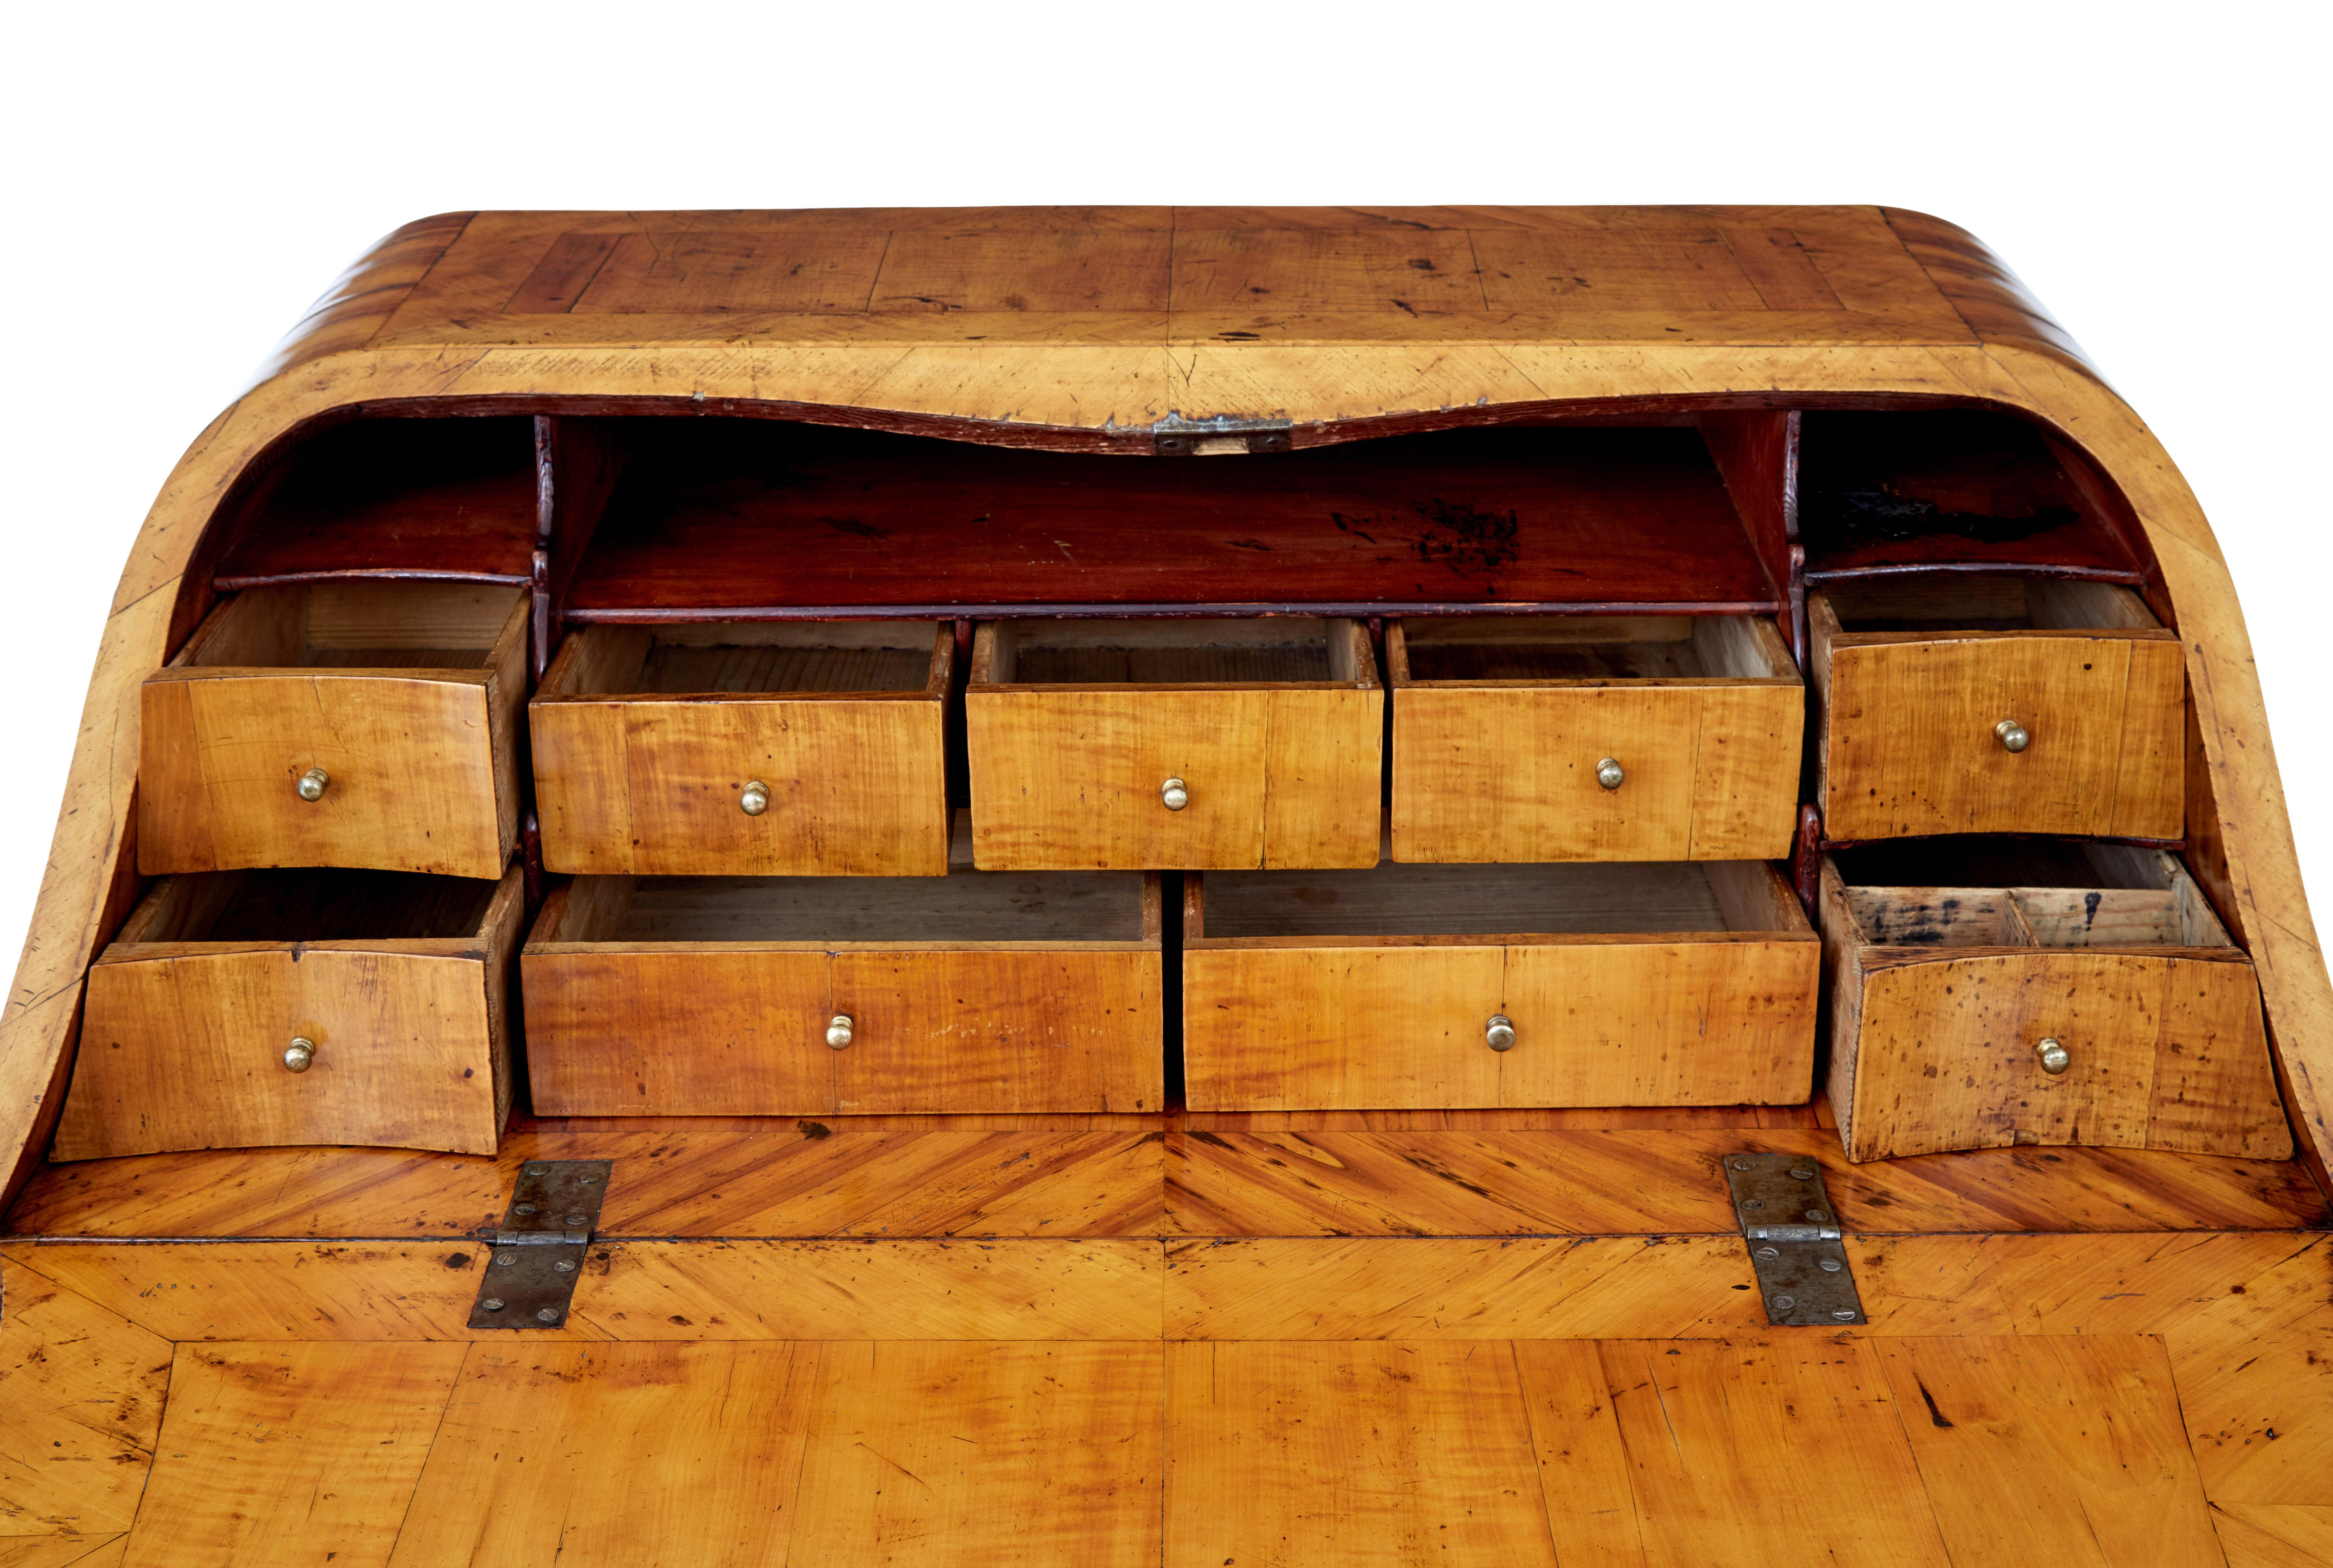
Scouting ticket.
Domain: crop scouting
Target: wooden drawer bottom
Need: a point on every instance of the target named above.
(1644, 984)
(976, 991)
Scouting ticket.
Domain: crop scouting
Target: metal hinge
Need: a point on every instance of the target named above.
(1223, 434)
(538, 1254)
(1795, 1249)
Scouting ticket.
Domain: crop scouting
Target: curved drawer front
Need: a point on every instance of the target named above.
(848, 788)
(2160, 1051)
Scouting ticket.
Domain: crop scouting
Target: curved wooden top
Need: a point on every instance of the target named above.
(1101, 327)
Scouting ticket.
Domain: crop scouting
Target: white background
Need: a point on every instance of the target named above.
(180, 185)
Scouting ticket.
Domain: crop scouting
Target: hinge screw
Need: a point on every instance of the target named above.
(1770, 1252)
(1743, 1164)
(1783, 1303)
(492, 1303)
(1828, 1265)
(547, 1316)
(1753, 1203)
(1819, 1216)
(1802, 1176)
(538, 1170)
(504, 1259)
(577, 1218)
(1844, 1314)
(565, 1266)
(522, 1208)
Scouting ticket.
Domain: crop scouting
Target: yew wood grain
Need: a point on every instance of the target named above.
(82, 1391)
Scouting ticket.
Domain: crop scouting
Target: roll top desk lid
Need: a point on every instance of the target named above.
(1173, 333)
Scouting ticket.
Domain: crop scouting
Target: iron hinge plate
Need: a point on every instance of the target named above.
(538, 1253)
(1796, 1251)
(1220, 436)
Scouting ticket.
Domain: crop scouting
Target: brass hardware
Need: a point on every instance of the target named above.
(1608, 772)
(755, 799)
(313, 782)
(2055, 1057)
(1499, 1033)
(837, 1033)
(2012, 735)
(1173, 794)
(299, 1055)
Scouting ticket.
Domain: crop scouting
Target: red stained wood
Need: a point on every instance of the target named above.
(730, 518)
(1904, 491)
(432, 498)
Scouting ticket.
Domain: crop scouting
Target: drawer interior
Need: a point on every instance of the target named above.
(1984, 603)
(310, 906)
(1554, 648)
(2014, 892)
(1394, 900)
(710, 658)
(1278, 650)
(965, 906)
(357, 624)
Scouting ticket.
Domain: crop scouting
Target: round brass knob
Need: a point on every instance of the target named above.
(1499, 1033)
(837, 1033)
(1610, 774)
(1173, 794)
(2012, 735)
(312, 783)
(755, 799)
(2055, 1057)
(299, 1055)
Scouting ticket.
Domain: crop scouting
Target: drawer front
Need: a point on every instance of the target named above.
(744, 1032)
(1597, 1023)
(653, 788)
(186, 1052)
(422, 774)
(2166, 1053)
(1508, 773)
(1910, 744)
(1069, 781)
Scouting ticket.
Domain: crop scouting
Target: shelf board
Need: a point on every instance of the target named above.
(1886, 493)
(728, 517)
(451, 499)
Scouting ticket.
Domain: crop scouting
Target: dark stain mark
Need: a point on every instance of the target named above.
(1247, 543)
(854, 526)
(1884, 514)
(1239, 337)
(1463, 537)
(1422, 263)
(1345, 525)
(2091, 902)
(1207, 1138)
(1934, 1414)
(1404, 305)
(814, 1130)
(457, 1260)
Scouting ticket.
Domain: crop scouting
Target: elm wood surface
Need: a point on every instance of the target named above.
(2118, 1391)
(400, 982)
(644, 742)
(720, 518)
(1639, 984)
(1916, 310)
(1073, 729)
(1500, 727)
(977, 991)
(1942, 995)
(1963, 491)
(449, 500)
(407, 695)
(1914, 680)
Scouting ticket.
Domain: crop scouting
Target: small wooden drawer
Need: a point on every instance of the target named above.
(1960, 969)
(974, 992)
(361, 724)
(1588, 738)
(1132, 744)
(775, 749)
(396, 982)
(1647, 984)
(1926, 688)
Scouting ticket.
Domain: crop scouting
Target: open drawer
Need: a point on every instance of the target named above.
(1447, 986)
(1131, 744)
(1593, 739)
(1987, 992)
(299, 1006)
(1982, 705)
(363, 723)
(804, 995)
(747, 750)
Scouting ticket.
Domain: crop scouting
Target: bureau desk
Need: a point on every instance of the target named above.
(1191, 885)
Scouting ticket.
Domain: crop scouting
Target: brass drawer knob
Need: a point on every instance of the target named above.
(2055, 1057)
(299, 1055)
(837, 1033)
(2012, 735)
(1499, 1033)
(1173, 794)
(312, 783)
(755, 799)
(1610, 774)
